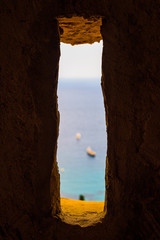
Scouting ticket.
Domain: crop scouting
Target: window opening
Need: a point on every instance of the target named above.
(82, 141)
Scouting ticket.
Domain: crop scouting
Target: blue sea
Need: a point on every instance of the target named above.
(81, 108)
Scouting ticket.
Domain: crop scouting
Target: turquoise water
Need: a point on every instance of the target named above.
(81, 110)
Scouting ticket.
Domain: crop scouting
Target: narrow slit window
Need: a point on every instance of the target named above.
(82, 142)
(82, 135)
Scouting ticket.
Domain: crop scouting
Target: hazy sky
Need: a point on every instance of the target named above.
(80, 61)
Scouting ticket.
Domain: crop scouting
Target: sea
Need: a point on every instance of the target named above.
(81, 107)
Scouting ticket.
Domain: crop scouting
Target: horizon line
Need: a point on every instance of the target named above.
(79, 78)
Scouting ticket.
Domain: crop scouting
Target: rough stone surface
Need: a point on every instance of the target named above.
(82, 213)
(29, 119)
(72, 29)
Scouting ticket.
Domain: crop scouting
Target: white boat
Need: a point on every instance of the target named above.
(90, 152)
(78, 136)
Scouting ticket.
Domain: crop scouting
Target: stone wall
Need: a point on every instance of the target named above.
(72, 29)
(131, 87)
(29, 119)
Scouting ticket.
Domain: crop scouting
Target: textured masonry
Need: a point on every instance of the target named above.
(29, 186)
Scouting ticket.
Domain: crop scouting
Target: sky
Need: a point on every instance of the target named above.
(80, 61)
